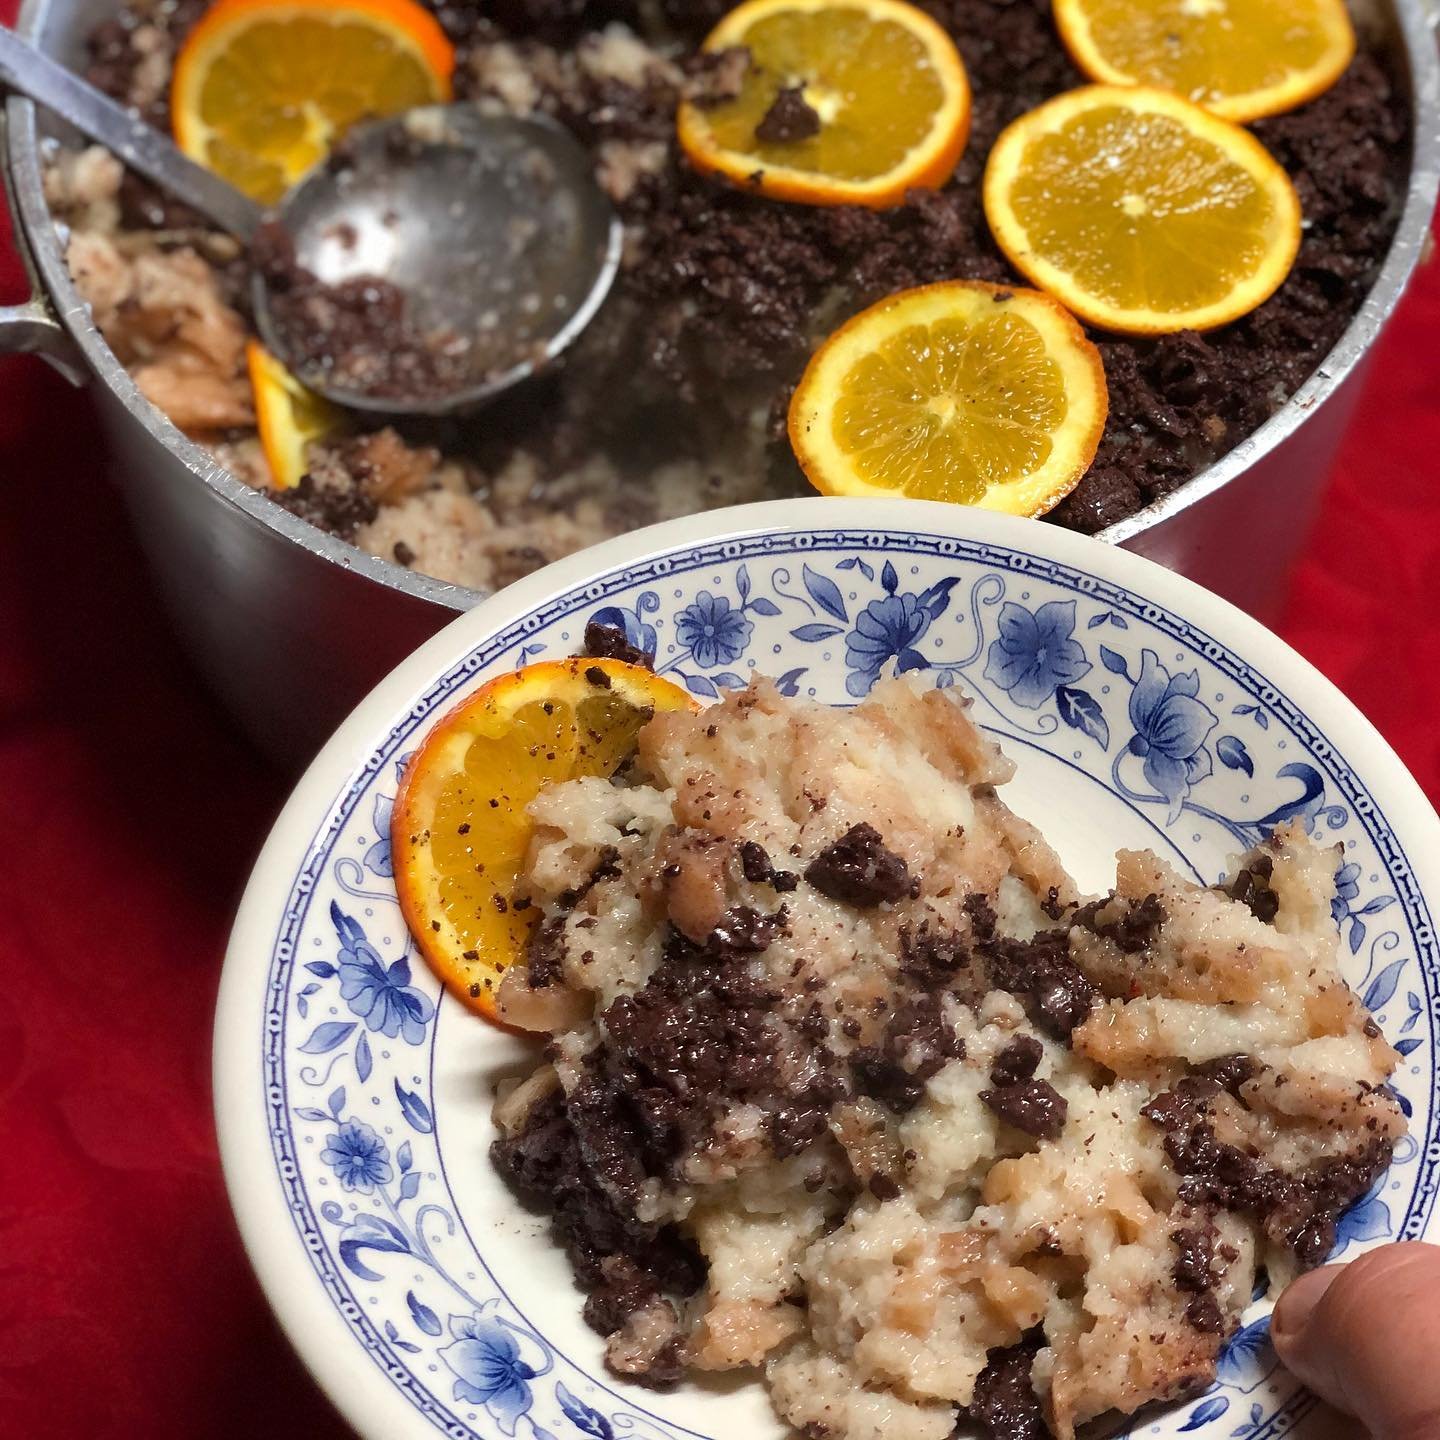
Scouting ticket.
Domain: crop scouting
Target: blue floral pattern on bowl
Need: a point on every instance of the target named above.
(1133, 701)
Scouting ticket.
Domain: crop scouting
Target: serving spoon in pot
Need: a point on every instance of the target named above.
(434, 260)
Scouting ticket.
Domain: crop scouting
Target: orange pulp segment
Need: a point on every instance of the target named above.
(978, 394)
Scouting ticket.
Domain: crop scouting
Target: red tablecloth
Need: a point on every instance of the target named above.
(131, 813)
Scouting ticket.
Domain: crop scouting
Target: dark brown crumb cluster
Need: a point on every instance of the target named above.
(708, 1032)
(857, 869)
(1005, 1406)
(341, 510)
(607, 642)
(1251, 887)
(357, 336)
(725, 294)
(1018, 1098)
(918, 1043)
(546, 1167)
(1199, 1263)
(1057, 995)
(1297, 1210)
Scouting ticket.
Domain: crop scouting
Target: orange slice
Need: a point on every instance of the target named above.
(1240, 59)
(288, 415)
(1140, 211)
(962, 391)
(263, 88)
(843, 102)
(460, 828)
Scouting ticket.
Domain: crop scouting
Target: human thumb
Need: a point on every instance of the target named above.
(1365, 1337)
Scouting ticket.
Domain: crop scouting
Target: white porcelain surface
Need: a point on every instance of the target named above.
(354, 1109)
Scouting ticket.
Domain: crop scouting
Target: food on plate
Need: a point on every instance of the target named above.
(984, 394)
(676, 397)
(1142, 212)
(1242, 59)
(461, 826)
(264, 88)
(840, 102)
(847, 1084)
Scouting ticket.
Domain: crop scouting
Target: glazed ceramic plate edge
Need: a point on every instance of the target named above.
(350, 1377)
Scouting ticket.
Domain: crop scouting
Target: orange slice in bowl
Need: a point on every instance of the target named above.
(1240, 59)
(287, 415)
(460, 828)
(842, 102)
(263, 88)
(1140, 211)
(960, 391)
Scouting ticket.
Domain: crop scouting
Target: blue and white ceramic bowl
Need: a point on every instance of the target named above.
(353, 1100)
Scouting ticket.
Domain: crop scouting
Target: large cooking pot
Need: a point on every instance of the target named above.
(292, 626)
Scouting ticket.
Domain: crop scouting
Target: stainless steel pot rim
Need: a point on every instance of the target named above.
(1416, 20)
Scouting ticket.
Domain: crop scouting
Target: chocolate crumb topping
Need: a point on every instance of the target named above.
(624, 1289)
(742, 930)
(1005, 1405)
(858, 870)
(1034, 1106)
(1133, 930)
(882, 1187)
(1297, 1209)
(1252, 889)
(597, 677)
(789, 119)
(1203, 1312)
(1195, 1258)
(608, 642)
(545, 953)
(544, 1164)
(930, 958)
(1040, 971)
(757, 867)
(1230, 1072)
(358, 335)
(918, 1042)
(1017, 1061)
(341, 510)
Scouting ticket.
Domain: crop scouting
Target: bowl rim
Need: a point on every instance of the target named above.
(305, 1312)
(1416, 26)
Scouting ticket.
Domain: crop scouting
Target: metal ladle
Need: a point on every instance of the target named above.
(491, 228)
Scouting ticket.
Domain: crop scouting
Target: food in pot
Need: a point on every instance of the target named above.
(1140, 211)
(1242, 59)
(848, 1085)
(987, 395)
(676, 398)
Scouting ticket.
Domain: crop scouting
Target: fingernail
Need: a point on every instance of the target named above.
(1297, 1304)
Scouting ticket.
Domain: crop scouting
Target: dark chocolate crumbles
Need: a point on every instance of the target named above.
(1297, 1209)
(724, 294)
(917, 1044)
(789, 119)
(1033, 1106)
(608, 642)
(1039, 971)
(857, 869)
(1005, 1406)
(357, 336)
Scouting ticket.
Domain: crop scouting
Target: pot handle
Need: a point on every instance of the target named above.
(32, 328)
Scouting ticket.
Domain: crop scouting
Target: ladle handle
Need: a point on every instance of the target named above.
(25, 70)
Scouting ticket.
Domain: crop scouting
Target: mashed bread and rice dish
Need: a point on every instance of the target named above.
(674, 400)
(847, 1085)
